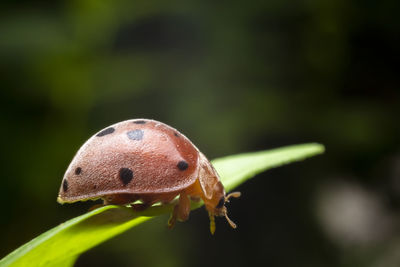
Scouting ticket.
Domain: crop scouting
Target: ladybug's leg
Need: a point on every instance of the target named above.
(140, 206)
(195, 198)
(174, 215)
(181, 210)
(147, 201)
(184, 207)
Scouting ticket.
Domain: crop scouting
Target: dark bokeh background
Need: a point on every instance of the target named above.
(233, 76)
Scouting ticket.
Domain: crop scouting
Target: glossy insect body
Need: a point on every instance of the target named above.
(144, 160)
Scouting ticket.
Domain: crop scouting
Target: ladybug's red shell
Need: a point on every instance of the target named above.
(133, 157)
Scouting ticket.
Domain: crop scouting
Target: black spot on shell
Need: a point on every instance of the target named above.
(176, 134)
(140, 122)
(65, 185)
(136, 135)
(109, 130)
(126, 175)
(78, 170)
(182, 165)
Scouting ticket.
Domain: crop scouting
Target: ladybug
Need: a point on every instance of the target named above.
(145, 161)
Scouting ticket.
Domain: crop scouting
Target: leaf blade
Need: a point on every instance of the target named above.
(236, 169)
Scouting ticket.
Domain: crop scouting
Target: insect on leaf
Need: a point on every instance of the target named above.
(62, 245)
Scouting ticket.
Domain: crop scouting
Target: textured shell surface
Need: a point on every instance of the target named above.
(136, 157)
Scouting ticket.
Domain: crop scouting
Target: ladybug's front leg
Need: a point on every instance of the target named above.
(181, 210)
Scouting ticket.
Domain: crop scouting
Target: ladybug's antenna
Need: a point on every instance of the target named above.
(233, 194)
(225, 211)
(231, 223)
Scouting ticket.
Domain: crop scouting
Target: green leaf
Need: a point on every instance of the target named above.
(236, 169)
(62, 245)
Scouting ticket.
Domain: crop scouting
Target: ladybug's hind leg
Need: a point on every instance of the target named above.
(147, 201)
(181, 210)
(140, 206)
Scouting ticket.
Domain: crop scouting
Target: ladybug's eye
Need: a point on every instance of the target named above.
(221, 202)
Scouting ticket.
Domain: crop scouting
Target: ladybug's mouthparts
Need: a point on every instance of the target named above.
(59, 200)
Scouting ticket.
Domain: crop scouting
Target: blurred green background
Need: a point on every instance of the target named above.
(233, 76)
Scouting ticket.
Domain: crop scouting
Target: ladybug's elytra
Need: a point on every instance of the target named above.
(147, 161)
